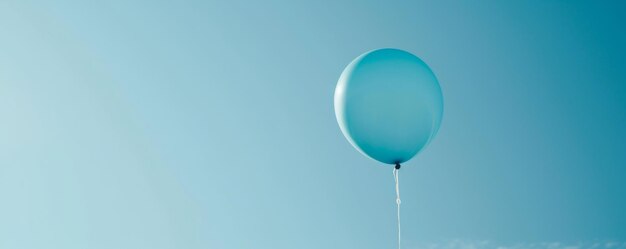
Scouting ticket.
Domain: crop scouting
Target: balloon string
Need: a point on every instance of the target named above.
(395, 177)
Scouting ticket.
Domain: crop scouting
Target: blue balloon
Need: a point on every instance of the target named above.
(388, 104)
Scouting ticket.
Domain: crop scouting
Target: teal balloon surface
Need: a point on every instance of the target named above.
(388, 104)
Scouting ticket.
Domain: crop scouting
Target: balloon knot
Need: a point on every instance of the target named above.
(397, 165)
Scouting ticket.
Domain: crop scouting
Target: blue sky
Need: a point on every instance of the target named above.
(210, 124)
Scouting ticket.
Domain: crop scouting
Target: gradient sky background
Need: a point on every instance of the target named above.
(210, 124)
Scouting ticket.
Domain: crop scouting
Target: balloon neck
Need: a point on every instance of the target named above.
(397, 165)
